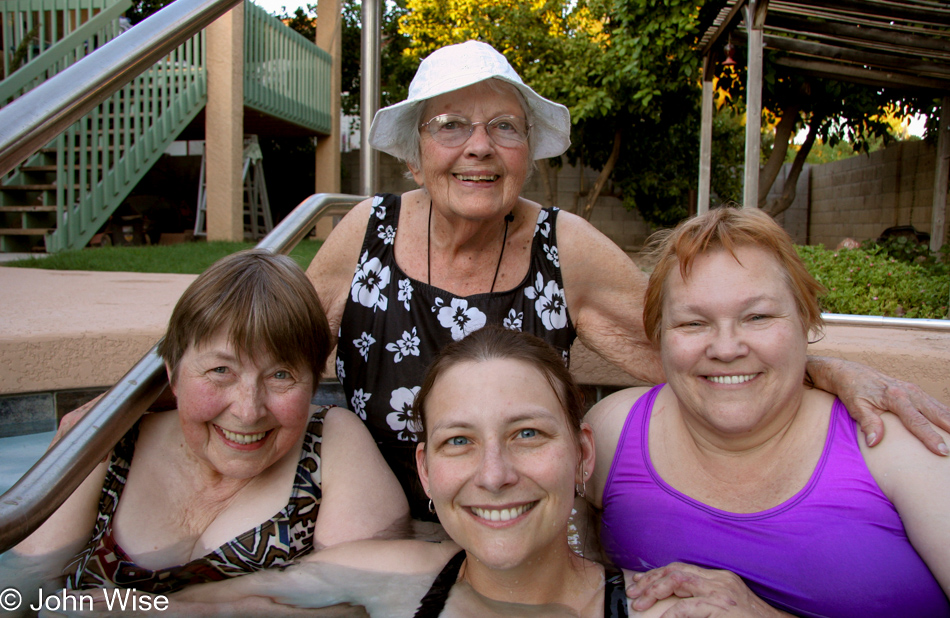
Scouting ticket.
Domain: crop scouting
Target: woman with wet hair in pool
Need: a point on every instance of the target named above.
(502, 454)
(755, 485)
(245, 475)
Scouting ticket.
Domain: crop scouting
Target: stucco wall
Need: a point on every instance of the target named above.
(862, 196)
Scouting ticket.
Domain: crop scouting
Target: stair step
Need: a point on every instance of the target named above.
(30, 231)
(38, 168)
(27, 209)
(49, 187)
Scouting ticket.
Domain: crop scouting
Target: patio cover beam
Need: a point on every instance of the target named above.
(882, 10)
(857, 57)
(867, 35)
(885, 79)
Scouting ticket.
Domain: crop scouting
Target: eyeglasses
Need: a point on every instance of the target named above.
(451, 130)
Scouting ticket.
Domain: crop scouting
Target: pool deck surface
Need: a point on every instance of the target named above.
(77, 329)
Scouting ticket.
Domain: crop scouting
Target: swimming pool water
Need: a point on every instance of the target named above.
(18, 454)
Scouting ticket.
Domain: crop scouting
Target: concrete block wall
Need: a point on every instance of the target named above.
(624, 227)
(862, 196)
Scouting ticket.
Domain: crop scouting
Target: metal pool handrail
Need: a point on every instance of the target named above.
(845, 319)
(26, 505)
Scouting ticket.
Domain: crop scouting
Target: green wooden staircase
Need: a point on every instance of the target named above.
(61, 196)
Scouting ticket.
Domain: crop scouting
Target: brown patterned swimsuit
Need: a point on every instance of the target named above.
(278, 541)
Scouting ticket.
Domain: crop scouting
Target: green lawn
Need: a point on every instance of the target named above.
(186, 258)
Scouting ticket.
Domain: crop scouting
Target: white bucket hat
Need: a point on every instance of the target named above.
(454, 67)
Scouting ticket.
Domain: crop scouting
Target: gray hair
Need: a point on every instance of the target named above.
(408, 132)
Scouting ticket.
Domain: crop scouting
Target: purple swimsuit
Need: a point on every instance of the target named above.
(836, 548)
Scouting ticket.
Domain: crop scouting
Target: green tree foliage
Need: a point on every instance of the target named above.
(627, 71)
(143, 8)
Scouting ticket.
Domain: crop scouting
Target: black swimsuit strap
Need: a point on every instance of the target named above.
(432, 604)
(615, 593)
(434, 601)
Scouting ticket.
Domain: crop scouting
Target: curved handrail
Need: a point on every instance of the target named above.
(45, 486)
(846, 319)
(34, 119)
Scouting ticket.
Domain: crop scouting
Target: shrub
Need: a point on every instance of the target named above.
(907, 250)
(871, 281)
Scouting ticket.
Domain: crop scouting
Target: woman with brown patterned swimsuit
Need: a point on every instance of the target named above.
(246, 474)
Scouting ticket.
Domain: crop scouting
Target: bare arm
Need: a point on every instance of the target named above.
(916, 482)
(38, 560)
(868, 393)
(361, 497)
(387, 577)
(604, 291)
(331, 270)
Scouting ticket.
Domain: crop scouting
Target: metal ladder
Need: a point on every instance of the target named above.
(257, 217)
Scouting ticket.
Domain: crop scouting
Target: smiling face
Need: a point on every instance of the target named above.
(733, 345)
(501, 461)
(478, 179)
(240, 415)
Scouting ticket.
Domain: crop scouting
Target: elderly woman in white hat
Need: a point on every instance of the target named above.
(403, 275)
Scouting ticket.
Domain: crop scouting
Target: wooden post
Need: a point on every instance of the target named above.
(941, 179)
(705, 138)
(224, 126)
(330, 39)
(755, 20)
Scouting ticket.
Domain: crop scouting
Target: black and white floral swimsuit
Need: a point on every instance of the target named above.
(393, 326)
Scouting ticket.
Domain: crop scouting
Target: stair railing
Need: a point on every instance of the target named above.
(98, 29)
(45, 486)
(36, 118)
(101, 158)
(284, 72)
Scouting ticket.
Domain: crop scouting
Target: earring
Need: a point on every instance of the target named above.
(431, 506)
(582, 490)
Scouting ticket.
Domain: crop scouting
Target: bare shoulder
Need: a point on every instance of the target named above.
(611, 411)
(406, 557)
(342, 245)
(607, 418)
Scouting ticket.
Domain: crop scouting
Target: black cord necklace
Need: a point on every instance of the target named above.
(508, 219)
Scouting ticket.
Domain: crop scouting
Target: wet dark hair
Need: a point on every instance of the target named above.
(263, 300)
(494, 342)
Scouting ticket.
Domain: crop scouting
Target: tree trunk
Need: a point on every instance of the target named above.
(780, 204)
(783, 136)
(602, 178)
